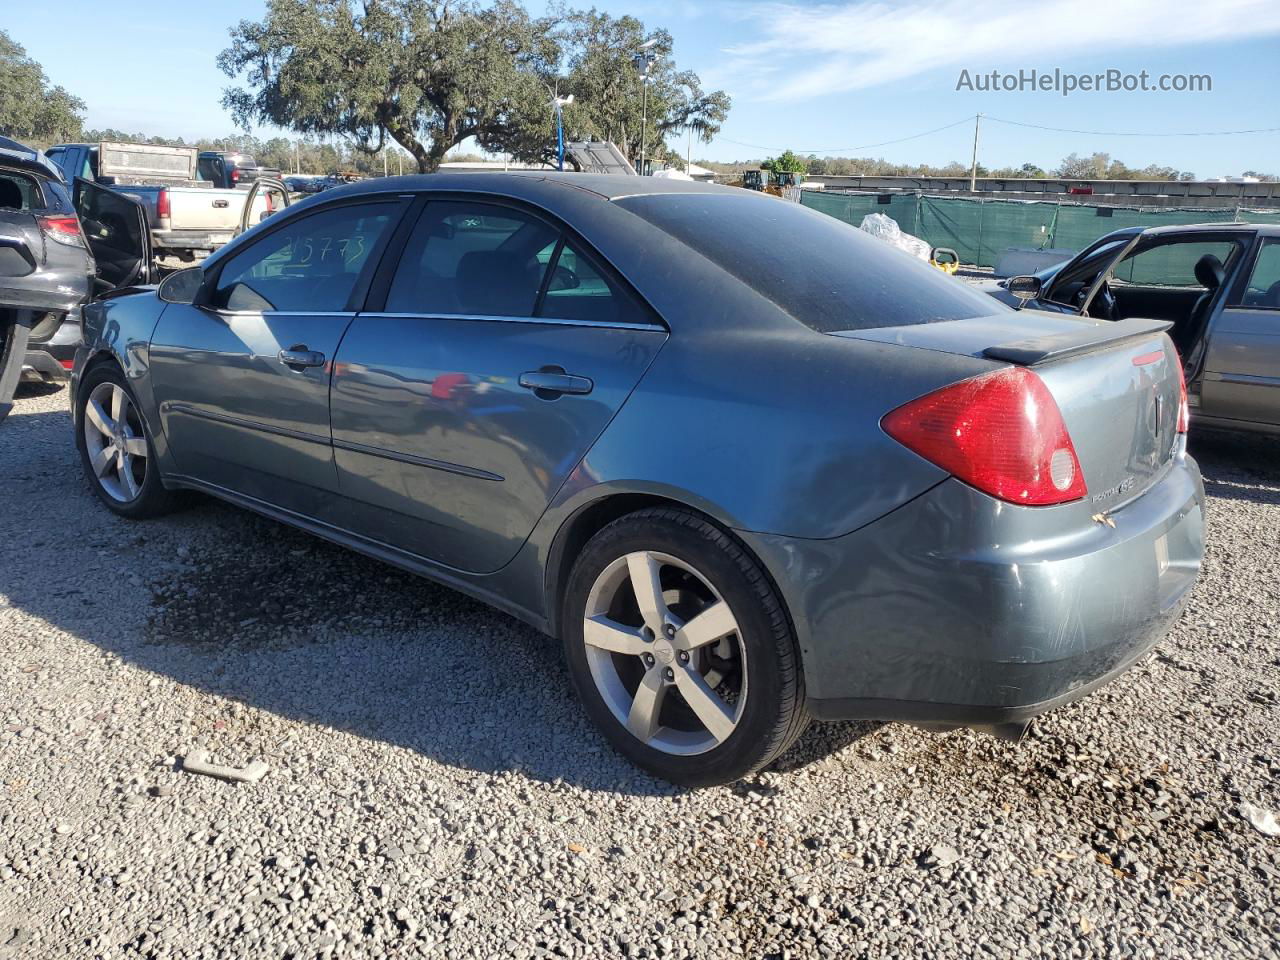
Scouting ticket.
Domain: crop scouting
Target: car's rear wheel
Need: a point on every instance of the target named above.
(680, 649)
(115, 447)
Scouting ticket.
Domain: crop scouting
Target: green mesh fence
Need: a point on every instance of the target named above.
(979, 230)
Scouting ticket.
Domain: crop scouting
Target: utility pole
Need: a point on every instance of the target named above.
(644, 120)
(973, 172)
(643, 59)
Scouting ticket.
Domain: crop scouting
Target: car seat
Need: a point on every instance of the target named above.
(1210, 274)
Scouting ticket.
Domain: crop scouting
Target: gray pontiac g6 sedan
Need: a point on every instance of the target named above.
(749, 464)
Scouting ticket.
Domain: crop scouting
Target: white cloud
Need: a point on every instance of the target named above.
(836, 47)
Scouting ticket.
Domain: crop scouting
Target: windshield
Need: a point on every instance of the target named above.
(826, 274)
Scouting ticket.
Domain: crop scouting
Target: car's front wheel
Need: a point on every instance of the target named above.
(680, 649)
(115, 446)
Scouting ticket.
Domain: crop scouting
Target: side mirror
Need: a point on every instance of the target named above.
(183, 286)
(1024, 288)
(564, 279)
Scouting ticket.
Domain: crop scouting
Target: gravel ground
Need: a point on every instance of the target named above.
(435, 790)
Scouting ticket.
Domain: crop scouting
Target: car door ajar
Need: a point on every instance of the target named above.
(1240, 380)
(241, 377)
(115, 227)
(502, 350)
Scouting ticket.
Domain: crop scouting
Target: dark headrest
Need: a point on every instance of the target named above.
(497, 283)
(10, 194)
(1209, 272)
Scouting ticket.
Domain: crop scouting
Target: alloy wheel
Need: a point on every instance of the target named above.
(115, 442)
(665, 652)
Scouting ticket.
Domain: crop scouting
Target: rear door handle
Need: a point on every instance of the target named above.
(299, 357)
(547, 384)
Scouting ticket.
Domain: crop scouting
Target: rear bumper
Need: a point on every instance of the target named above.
(206, 240)
(955, 610)
(50, 360)
(44, 366)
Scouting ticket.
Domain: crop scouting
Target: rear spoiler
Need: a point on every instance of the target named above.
(1058, 346)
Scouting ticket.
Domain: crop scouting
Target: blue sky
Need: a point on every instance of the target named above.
(810, 76)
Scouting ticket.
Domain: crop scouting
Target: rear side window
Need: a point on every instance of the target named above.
(19, 192)
(472, 259)
(828, 275)
(309, 265)
(578, 289)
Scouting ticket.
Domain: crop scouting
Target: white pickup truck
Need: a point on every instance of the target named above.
(189, 217)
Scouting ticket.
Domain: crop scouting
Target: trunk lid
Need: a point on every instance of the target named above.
(1117, 385)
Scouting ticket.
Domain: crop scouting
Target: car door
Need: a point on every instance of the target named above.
(115, 227)
(276, 198)
(496, 349)
(1241, 372)
(241, 376)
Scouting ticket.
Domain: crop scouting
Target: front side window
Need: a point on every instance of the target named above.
(1070, 281)
(309, 265)
(62, 158)
(472, 259)
(1264, 282)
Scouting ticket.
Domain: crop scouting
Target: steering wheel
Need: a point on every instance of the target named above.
(1104, 304)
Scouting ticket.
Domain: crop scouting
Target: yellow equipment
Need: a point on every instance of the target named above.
(945, 259)
(771, 183)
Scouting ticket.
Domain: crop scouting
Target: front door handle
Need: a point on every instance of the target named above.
(298, 357)
(550, 382)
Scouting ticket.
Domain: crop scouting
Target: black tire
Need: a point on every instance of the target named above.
(152, 499)
(773, 714)
(13, 350)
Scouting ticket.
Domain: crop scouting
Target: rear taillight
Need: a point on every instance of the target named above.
(271, 207)
(63, 230)
(163, 209)
(1001, 432)
(1184, 408)
(235, 176)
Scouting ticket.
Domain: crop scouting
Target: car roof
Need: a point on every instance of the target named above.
(1232, 227)
(523, 183)
(26, 158)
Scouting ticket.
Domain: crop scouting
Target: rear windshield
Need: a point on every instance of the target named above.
(828, 275)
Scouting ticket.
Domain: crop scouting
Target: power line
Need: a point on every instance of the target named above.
(1015, 123)
(864, 146)
(1123, 133)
